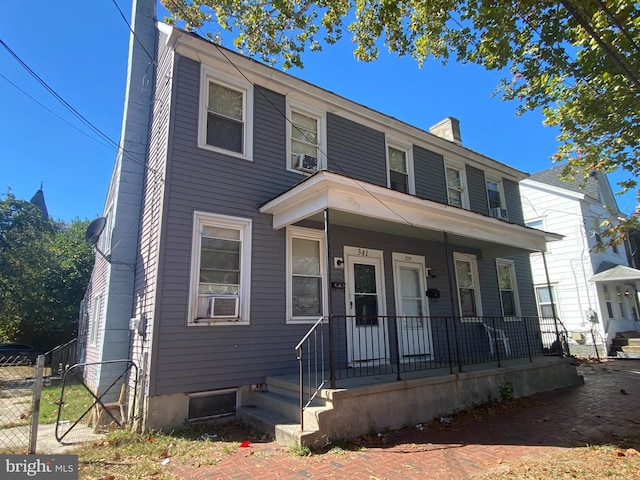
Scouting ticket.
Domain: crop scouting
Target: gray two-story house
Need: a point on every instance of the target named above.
(261, 210)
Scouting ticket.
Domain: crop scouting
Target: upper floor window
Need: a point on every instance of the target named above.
(508, 288)
(306, 140)
(221, 270)
(399, 168)
(456, 191)
(468, 285)
(306, 298)
(495, 199)
(226, 115)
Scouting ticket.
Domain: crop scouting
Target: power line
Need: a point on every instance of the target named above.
(56, 95)
(54, 113)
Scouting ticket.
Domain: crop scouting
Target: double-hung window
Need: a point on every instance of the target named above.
(400, 168)
(456, 191)
(306, 139)
(546, 301)
(508, 288)
(226, 114)
(221, 269)
(306, 296)
(468, 285)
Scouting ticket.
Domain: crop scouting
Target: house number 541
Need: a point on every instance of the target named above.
(363, 253)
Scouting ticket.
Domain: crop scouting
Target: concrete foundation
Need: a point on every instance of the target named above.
(357, 411)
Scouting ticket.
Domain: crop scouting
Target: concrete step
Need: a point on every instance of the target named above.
(286, 406)
(631, 349)
(628, 334)
(622, 341)
(284, 430)
(290, 387)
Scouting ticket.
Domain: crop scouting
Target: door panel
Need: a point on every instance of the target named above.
(367, 341)
(414, 329)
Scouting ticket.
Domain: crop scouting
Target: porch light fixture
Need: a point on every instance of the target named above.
(431, 272)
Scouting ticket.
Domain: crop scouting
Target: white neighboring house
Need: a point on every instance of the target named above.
(595, 294)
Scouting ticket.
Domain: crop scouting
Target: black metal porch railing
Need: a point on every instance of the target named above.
(357, 346)
(310, 352)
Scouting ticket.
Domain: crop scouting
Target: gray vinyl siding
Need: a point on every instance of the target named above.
(513, 201)
(429, 175)
(187, 358)
(489, 289)
(526, 291)
(151, 220)
(198, 358)
(477, 190)
(355, 150)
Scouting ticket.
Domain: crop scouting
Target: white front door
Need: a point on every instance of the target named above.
(414, 329)
(367, 338)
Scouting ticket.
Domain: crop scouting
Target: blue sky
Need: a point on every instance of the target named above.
(79, 48)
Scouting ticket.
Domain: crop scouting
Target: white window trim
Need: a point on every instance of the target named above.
(242, 224)
(553, 294)
(463, 181)
(94, 324)
(467, 257)
(107, 234)
(497, 181)
(307, 234)
(234, 83)
(408, 150)
(514, 284)
(320, 116)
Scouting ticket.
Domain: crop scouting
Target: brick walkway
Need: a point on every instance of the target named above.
(605, 407)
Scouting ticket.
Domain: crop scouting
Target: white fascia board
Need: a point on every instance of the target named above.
(545, 187)
(336, 192)
(202, 51)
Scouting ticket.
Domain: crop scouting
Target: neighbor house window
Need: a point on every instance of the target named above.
(226, 117)
(306, 297)
(508, 288)
(456, 192)
(95, 320)
(399, 168)
(220, 277)
(468, 285)
(546, 301)
(607, 299)
(306, 134)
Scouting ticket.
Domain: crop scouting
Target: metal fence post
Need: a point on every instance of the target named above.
(35, 411)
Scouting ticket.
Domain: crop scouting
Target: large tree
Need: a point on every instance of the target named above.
(44, 269)
(576, 60)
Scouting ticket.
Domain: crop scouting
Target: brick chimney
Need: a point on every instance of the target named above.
(449, 129)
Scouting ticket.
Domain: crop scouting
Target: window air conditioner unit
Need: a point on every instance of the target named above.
(223, 307)
(306, 163)
(500, 213)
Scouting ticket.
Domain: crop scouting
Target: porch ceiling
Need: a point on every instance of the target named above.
(370, 207)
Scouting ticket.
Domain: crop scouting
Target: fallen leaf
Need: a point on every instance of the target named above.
(245, 444)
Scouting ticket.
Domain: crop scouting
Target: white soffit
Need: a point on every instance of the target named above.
(360, 204)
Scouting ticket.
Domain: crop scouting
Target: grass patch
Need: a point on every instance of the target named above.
(77, 400)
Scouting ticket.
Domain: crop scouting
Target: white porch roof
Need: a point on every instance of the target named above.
(618, 273)
(363, 205)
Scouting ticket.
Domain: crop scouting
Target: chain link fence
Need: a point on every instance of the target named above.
(17, 382)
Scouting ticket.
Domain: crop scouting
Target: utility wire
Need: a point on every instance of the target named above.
(57, 96)
(55, 114)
